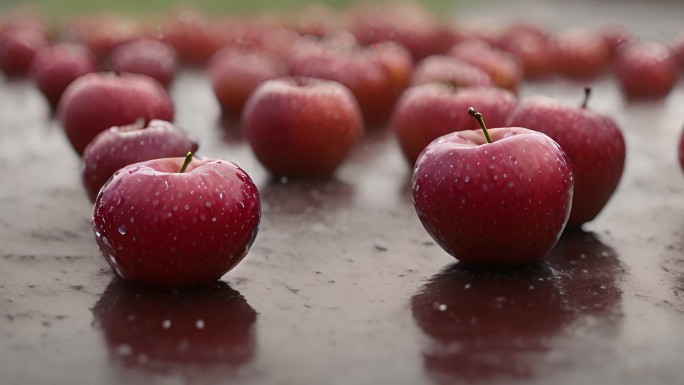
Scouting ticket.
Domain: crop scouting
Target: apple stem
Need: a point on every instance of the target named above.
(188, 158)
(587, 93)
(478, 117)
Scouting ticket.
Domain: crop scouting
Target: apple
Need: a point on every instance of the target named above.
(176, 222)
(160, 330)
(376, 75)
(55, 67)
(194, 38)
(426, 112)
(147, 57)
(18, 47)
(593, 143)
(489, 325)
(493, 196)
(615, 35)
(579, 53)
(301, 127)
(532, 50)
(449, 70)
(117, 147)
(646, 70)
(236, 72)
(677, 47)
(102, 33)
(97, 101)
(504, 69)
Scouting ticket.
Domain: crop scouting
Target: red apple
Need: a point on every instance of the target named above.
(502, 67)
(147, 57)
(426, 112)
(236, 72)
(501, 196)
(593, 143)
(192, 36)
(102, 33)
(615, 35)
(532, 50)
(579, 53)
(54, 68)
(117, 147)
(18, 46)
(176, 222)
(376, 75)
(646, 70)
(449, 70)
(178, 331)
(301, 127)
(677, 47)
(97, 101)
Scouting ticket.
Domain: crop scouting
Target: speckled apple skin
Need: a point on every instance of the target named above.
(98, 101)
(427, 112)
(117, 147)
(158, 226)
(593, 143)
(501, 202)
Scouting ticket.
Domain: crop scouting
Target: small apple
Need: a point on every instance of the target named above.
(504, 69)
(302, 127)
(97, 101)
(532, 50)
(646, 70)
(615, 35)
(117, 147)
(194, 38)
(102, 33)
(146, 57)
(236, 72)
(176, 331)
(677, 47)
(449, 70)
(18, 47)
(580, 53)
(54, 68)
(176, 222)
(429, 111)
(493, 196)
(593, 143)
(376, 75)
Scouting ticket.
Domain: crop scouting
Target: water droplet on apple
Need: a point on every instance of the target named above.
(207, 204)
(122, 230)
(199, 324)
(166, 324)
(187, 207)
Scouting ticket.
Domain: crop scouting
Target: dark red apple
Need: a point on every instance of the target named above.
(97, 101)
(501, 196)
(176, 331)
(504, 69)
(146, 57)
(580, 53)
(236, 72)
(593, 143)
(449, 70)
(118, 147)
(302, 127)
(376, 75)
(18, 47)
(646, 70)
(54, 68)
(426, 112)
(176, 222)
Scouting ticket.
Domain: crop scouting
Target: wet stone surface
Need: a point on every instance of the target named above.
(343, 285)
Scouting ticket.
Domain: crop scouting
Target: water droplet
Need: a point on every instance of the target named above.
(187, 207)
(466, 179)
(207, 204)
(442, 307)
(166, 324)
(468, 286)
(199, 324)
(213, 219)
(122, 230)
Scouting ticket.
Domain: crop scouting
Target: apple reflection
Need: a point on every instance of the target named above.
(484, 325)
(176, 332)
(302, 196)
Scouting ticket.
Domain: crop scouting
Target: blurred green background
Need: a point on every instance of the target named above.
(61, 8)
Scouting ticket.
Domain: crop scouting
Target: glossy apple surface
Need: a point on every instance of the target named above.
(302, 127)
(55, 67)
(646, 70)
(592, 141)
(146, 57)
(502, 202)
(97, 101)
(118, 147)
(159, 226)
(426, 112)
